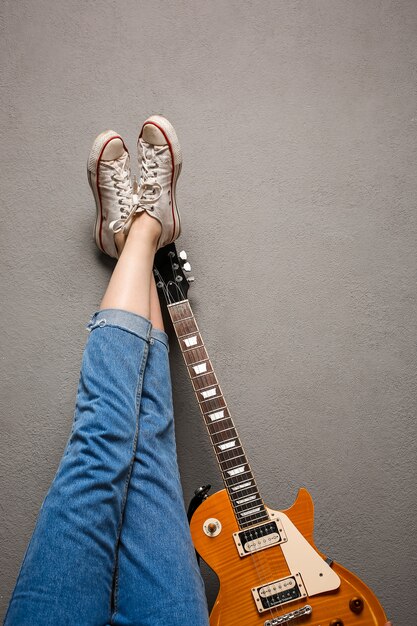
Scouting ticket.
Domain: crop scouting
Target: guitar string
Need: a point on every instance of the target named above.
(258, 561)
(254, 557)
(255, 560)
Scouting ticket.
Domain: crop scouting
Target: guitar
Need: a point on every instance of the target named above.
(269, 569)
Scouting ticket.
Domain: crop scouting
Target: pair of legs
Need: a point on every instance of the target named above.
(111, 544)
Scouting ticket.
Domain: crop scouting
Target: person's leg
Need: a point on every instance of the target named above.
(68, 569)
(157, 581)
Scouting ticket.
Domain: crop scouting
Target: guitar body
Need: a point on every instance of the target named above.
(235, 605)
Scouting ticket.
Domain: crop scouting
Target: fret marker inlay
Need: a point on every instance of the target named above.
(218, 415)
(191, 341)
(229, 444)
(209, 392)
(250, 512)
(242, 486)
(199, 369)
(237, 470)
(248, 499)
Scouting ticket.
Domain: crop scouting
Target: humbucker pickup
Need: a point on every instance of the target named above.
(278, 592)
(259, 537)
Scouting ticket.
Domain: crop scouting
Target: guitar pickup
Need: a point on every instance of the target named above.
(278, 592)
(259, 537)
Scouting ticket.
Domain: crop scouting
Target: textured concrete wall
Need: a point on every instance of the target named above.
(297, 121)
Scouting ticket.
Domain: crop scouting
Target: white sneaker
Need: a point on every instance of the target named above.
(159, 160)
(108, 171)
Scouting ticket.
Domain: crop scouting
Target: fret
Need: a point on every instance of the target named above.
(240, 486)
(208, 406)
(237, 495)
(243, 504)
(191, 341)
(250, 511)
(227, 444)
(205, 401)
(216, 425)
(237, 475)
(237, 470)
(210, 392)
(233, 458)
(188, 327)
(190, 317)
(263, 517)
(217, 415)
(229, 479)
(204, 381)
(229, 449)
(218, 437)
(180, 310)
(200, 368)
(201, 389)
(195, 355)
(247, 499)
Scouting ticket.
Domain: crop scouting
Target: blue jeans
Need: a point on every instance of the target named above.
(111, 543)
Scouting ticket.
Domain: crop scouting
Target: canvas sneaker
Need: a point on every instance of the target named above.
(108, 171)
(160, 161)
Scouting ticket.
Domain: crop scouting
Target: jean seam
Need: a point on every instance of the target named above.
(115, 574)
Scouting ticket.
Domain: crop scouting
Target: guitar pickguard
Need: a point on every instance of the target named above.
(301, 557)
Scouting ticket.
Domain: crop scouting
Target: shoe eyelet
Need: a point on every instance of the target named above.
(151, 208)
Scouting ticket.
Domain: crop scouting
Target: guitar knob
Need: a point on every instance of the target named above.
(356, 605)
(183, 255)
(186, 267)
(190, 279)
(336, 622)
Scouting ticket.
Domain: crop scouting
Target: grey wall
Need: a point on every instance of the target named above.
(297, 121)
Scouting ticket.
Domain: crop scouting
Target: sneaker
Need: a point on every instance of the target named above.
(108, 171)
(159, 160)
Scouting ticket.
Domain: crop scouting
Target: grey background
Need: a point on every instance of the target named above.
(297, 121)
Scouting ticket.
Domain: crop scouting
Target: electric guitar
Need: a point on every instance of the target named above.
(269, 569)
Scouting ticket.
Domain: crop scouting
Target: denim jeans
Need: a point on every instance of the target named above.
(111, 544)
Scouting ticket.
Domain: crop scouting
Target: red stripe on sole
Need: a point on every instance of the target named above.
(98, 186)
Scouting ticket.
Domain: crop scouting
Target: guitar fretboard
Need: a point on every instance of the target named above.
(237, 475)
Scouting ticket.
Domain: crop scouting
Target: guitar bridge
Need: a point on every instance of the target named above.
(283, 619)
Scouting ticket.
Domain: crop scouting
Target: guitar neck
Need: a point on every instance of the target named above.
(237, 475)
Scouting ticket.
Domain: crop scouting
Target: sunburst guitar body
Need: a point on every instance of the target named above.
(269, 569)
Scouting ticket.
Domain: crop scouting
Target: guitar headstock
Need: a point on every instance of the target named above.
(169, 268)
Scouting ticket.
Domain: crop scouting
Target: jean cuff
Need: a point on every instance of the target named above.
(160, 335)
(125, 320)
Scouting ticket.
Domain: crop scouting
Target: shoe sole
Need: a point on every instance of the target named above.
(93, 163)
(170, 135)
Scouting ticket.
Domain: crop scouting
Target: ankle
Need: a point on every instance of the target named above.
(145, 226)
(120, 240)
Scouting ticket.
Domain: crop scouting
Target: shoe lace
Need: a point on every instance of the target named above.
(122, 184)
(148, 192)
